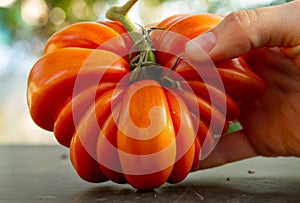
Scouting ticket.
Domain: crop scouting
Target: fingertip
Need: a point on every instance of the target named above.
(198, 49)
(192, 50)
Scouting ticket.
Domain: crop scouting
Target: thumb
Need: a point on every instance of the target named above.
(244, 30)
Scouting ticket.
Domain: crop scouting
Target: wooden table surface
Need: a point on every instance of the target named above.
(45, 174)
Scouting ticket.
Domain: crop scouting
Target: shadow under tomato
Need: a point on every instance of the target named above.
(240, 189)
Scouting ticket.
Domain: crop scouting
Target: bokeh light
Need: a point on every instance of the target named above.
(81, 10)
(34, 12)
(57, 16)
(7, 3)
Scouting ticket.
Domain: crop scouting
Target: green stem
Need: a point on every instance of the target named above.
(120, 13)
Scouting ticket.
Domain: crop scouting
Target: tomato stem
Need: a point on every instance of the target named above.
(120, 13)
(143, 64)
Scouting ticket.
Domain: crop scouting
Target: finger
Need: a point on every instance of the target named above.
(241, 31)
(230, 148)
(293, 52)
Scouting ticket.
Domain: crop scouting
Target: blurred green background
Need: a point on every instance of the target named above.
(25, 25)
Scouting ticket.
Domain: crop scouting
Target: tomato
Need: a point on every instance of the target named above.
(147, 131)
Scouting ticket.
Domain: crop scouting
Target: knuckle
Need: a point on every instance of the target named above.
(242, 19)
(245, 25)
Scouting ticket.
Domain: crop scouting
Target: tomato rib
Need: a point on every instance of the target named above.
(204, 111)
(146, 137)
(65, 121)
(185, 136)
(109, 163)
(76, 35)
(219, 98)
(52, 81)
(83, 145)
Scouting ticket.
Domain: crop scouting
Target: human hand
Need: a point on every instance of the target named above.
(271, 38)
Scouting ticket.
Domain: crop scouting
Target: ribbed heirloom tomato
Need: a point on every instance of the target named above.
(130, 105)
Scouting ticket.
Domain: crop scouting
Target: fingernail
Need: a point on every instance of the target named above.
(204, 42)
